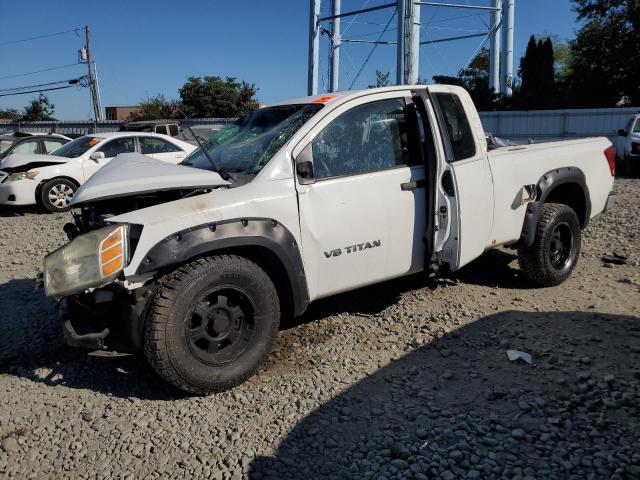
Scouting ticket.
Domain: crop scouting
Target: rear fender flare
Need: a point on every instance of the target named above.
(549, 182)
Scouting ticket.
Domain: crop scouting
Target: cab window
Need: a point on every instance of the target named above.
(117, 146)
(458, 127)
(173, 130)
(370, 137)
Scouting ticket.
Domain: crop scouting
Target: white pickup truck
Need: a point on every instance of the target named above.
(196, 264)
(627, 144)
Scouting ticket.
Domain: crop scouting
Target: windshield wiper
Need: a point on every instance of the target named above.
(216, 168)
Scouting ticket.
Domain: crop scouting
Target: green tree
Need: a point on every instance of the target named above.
(156, 108)
(382, 79)
(475, 78)
(216, 97)
(604, 66)
(9, 114)
(538, 75)
(38, 110)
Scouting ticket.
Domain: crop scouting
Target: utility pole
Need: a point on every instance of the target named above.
(97, 110)
(402, 38)
(494, 54)
(314, 46)
(414, 54)
(335, 47)
(508, 21)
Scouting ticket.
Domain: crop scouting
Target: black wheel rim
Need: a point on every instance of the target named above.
(221, 326)
(561, 246)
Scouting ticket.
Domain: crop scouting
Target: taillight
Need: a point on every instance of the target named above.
(610, 153)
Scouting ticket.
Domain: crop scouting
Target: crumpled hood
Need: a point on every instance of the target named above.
(132, 173)
(22, 159)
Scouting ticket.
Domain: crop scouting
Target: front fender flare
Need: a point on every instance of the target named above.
(208, 238)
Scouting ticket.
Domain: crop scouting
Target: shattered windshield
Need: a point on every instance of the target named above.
(248, 144)
(77, 147)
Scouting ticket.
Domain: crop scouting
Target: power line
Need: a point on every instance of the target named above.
(39, 71)
(48, 35)
(75, 80)
(36, 91)
(373, 49)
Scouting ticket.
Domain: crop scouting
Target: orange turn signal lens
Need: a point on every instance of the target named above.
(108, 255)
(113, 239)
(111, 267)
(112, 253)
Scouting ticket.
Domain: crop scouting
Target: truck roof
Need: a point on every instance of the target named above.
(346, 95)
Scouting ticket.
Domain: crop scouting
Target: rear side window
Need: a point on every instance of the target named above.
(149, 146)
(161, 129)
(51, 145)
(30, 146)
(458, 128)
(637, 127)
(118, 146)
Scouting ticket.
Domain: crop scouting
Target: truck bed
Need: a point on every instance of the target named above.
(514, 167)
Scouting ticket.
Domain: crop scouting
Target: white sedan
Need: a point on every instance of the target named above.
(51, 180)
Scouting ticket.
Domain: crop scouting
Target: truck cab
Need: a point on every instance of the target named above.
(196, 263)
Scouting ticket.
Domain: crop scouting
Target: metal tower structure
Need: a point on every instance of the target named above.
(500, 34)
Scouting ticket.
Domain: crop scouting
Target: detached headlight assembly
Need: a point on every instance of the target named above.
(31, 174)
(89, 260)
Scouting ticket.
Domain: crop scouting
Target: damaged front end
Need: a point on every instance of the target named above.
(100, 307)
(97, 309)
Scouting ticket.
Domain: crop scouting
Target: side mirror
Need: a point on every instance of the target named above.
(622, 132)
(304, 166)
(97, 156)
(304, 170)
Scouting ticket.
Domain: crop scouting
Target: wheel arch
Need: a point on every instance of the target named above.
(266, 242)
(56, 177)
(566, 185)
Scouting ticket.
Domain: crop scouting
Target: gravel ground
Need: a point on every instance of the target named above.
(402, 380)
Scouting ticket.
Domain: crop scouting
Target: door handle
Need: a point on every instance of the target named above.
(412, 185)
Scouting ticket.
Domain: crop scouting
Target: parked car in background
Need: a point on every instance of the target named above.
(627, 144)
(51, 180)
(37, 143)
(202, 132)
(163, 127)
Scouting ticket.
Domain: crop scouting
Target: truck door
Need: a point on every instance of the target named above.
(360, 182)
(467, 177)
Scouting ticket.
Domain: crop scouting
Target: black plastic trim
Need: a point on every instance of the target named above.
(546, 185)
(93, 341)
(242, 232)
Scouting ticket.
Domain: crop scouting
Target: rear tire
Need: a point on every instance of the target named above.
(56, 194)
(556, 247)
(212, 324)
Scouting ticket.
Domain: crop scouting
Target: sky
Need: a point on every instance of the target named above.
(143, 48)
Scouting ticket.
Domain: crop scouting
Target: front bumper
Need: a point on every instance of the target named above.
(93, 338)
(105, 319)
(19, 192)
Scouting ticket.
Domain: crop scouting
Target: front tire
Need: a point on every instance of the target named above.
(556, 248)
(56, 194)
(212, 324)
